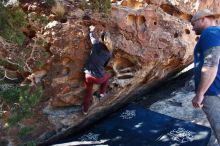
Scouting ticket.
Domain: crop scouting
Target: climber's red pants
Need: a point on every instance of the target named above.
(89, 81)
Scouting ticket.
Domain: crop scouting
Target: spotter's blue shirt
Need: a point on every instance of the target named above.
(209, 38)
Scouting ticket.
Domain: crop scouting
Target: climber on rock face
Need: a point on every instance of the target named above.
(101, 53)
(207, 67)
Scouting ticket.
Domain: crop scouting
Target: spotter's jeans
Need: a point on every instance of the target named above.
(211, 107)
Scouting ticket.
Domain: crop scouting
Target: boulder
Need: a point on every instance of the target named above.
(152, 40)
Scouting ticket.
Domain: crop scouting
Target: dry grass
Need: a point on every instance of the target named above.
(59, 10)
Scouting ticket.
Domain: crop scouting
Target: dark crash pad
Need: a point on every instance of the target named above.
(135, 125)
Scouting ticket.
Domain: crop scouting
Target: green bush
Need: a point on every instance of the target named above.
(25, 131)
(15, 118)
(96, 5)
(2, 75)
(8, 64)
(50, 2)
(21, 101)
(101, 5)
(29, 98)
(11, 22)
(40, 41)
(10, 95)
(43, 19)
